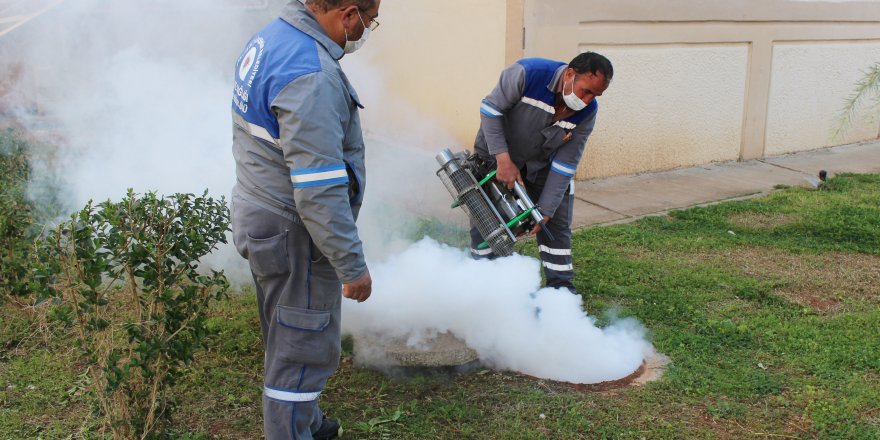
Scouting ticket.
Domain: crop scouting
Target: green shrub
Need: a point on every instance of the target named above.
(124, 275)
(17, 226)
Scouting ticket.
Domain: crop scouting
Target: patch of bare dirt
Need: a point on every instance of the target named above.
(820, 282)
(753, 220)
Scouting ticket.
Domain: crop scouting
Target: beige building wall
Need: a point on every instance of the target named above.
(699, 81)
(432, 63)
(656, 114)
(808, 83)
(696, 81)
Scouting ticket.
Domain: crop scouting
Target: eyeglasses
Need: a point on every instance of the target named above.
(373, 22)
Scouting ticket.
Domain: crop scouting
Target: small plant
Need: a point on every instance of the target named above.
(378, 425)
(868, 87)
(125, 276)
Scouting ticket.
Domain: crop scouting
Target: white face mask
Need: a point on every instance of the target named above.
(572, 100)
(352, 46)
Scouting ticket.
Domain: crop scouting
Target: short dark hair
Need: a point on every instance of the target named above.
(326, 5)
(592, 62)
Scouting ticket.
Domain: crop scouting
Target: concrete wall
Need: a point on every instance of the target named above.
(809, 79)
(656, 113)
(698, 81)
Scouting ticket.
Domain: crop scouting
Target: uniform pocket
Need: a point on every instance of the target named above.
(315, 254)
(301, 336)
(554, 137)
(268, 256)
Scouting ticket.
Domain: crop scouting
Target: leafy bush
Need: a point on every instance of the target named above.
(17, 228)
(125, 276)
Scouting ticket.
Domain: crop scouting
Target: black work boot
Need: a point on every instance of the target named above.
(329, 429)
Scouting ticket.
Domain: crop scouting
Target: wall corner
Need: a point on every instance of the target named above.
(515, 38)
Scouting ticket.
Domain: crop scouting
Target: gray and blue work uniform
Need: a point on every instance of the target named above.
(299, 156)
(518, 117)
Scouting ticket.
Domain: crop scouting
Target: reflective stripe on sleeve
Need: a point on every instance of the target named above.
(319, 176)
(552, 251)
(561, 168)
(490, 111)
(559, 267)
(290, 396)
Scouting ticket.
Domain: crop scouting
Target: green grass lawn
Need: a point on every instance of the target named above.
(769, 310)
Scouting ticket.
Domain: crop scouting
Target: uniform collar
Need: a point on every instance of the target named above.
(553, 82)
(298, 16)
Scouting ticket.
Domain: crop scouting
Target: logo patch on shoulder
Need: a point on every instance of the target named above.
(247, 63)
(247, 70)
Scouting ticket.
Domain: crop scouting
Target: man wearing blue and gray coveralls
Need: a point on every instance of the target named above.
(300, 172)
(535, 125)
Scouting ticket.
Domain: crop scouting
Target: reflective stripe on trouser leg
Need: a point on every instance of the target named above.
(290, 396)
(299, 303)
(479, 254)
(556, 254)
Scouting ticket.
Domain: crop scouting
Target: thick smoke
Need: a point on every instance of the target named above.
(498, 309)
(137, 95)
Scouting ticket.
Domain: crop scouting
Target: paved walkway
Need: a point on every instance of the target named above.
(627, 198)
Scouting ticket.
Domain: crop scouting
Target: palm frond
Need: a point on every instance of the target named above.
(867, 87)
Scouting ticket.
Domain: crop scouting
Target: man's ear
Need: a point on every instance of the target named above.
(349, 13)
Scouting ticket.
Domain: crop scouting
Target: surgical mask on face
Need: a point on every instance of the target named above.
(352, 46)
(572, 100)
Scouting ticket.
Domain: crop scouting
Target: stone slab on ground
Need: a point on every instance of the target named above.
(655, 366)
(444, 350)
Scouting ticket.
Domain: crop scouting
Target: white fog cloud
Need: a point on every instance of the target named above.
(137, 95)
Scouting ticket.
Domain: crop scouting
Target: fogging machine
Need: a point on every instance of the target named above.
(498, 213)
